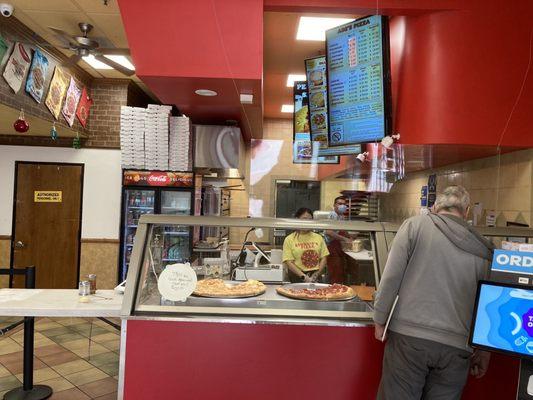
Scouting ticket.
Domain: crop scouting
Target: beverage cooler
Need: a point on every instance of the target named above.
(155, 192)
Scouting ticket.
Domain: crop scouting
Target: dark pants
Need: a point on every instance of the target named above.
(336, 262)
(415, 369)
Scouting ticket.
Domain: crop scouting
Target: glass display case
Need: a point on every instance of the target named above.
(352, 249)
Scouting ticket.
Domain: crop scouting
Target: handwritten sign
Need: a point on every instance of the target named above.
(177, 282)
(48, 196)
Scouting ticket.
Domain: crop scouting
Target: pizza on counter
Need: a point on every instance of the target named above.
(219, 288)
(323, 293)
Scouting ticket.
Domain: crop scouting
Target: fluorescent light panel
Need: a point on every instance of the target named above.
(287, 108)
(295, 77)
(93, 62)
(314, 28)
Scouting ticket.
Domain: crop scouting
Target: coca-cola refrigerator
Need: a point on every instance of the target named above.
(156, 192)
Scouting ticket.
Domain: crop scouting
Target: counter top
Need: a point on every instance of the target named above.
(363, 255)
(58, 303)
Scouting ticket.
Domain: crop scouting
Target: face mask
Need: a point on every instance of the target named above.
(342, 208)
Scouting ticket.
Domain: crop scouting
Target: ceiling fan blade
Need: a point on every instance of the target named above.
(63, 34)
(113, 52)
(72, 60)
(115, 65)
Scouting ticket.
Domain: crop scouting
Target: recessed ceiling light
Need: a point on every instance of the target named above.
(93, 62)
(205, 92)
(295, 78)
(287, 108)
(314, 28)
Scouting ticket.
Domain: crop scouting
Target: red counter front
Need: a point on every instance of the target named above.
(242, 361)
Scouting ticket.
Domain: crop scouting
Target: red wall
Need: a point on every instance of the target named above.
(456, 76)
(196, 360)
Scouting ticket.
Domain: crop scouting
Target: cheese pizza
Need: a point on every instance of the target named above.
(219, 288)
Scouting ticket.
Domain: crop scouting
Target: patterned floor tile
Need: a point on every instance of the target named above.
(87, 376)
(56, 331)
(70, 394)
(59, 358)
(58, 384)
(8, 346)
(110, 368)
(112, 345)
(87, 352)
(14, 362)
(40, 375)
(9, 382)
(100, 387)
(104, 358)
(72, 367)
(105, 337)
(48, 350)
(110, 396)
(68, 337)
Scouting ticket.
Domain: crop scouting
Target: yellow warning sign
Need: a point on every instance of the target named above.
(47, 196)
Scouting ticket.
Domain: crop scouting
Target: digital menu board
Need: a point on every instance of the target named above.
(305, 151)
(503, 318)
(317, 86)
(358, 73)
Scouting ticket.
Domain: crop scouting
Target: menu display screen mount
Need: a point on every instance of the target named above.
(503, 319)
(358, 75)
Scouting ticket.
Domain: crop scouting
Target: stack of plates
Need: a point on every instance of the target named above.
(132, 124)
(179, 147)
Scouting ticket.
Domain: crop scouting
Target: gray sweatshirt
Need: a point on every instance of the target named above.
(434, 265)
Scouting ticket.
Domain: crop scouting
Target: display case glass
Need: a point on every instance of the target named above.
(350, 250)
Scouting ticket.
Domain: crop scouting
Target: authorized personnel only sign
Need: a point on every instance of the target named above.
(47, 196)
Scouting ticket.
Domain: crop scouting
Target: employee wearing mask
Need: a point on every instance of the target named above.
(305, 252)
(335, 240)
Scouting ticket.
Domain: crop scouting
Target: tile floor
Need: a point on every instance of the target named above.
(77, 357)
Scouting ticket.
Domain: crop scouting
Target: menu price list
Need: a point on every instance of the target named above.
(356, 80)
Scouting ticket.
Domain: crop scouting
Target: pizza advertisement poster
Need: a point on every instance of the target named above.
(4, 46)
(37, 76)
(71, 102)
(58, 87)
(83, 107)
(17, 66)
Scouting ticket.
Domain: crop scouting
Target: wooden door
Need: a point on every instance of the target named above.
(47, 223)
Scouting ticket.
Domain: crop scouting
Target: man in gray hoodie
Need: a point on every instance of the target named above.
(433, 268)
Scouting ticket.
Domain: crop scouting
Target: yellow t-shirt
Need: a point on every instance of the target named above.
(305, 250)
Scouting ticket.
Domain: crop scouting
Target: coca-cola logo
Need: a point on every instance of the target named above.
(159, 179)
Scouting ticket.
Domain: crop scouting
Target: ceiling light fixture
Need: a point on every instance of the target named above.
(93, 62)
(205, 92)
(314, 28)
(295, 78)
(287, 108)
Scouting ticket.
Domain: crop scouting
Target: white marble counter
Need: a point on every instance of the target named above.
(58, 303)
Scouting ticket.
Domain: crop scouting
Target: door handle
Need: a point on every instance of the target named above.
(19, 244)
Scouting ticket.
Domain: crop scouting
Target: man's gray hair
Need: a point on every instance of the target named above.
(454, 198)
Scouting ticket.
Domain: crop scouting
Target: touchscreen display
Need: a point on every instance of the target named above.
(504, 319)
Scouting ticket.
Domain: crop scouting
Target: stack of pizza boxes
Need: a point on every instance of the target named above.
(156, 137)
(179, 144)
(132, 123)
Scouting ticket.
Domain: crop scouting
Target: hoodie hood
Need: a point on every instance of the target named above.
(463, 235)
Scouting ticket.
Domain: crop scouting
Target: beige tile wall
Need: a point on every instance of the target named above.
(100, 258)
(97, 257)
(501, 183)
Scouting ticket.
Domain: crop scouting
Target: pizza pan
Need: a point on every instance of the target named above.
(230, 283)
(310, 286)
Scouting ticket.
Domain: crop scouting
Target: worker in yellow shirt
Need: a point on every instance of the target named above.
(305, 252)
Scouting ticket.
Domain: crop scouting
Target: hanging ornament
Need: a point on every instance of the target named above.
(20, 124)
(76, 143)
(53, 131)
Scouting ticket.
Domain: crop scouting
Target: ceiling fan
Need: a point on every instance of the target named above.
(84, 46)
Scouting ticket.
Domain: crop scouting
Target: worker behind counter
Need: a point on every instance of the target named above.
(305, 252)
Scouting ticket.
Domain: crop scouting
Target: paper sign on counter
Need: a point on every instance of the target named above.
(177, 282)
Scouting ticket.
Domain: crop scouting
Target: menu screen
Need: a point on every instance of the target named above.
(504, 319)
(305, 151)
(357, 90)
(315, 69)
